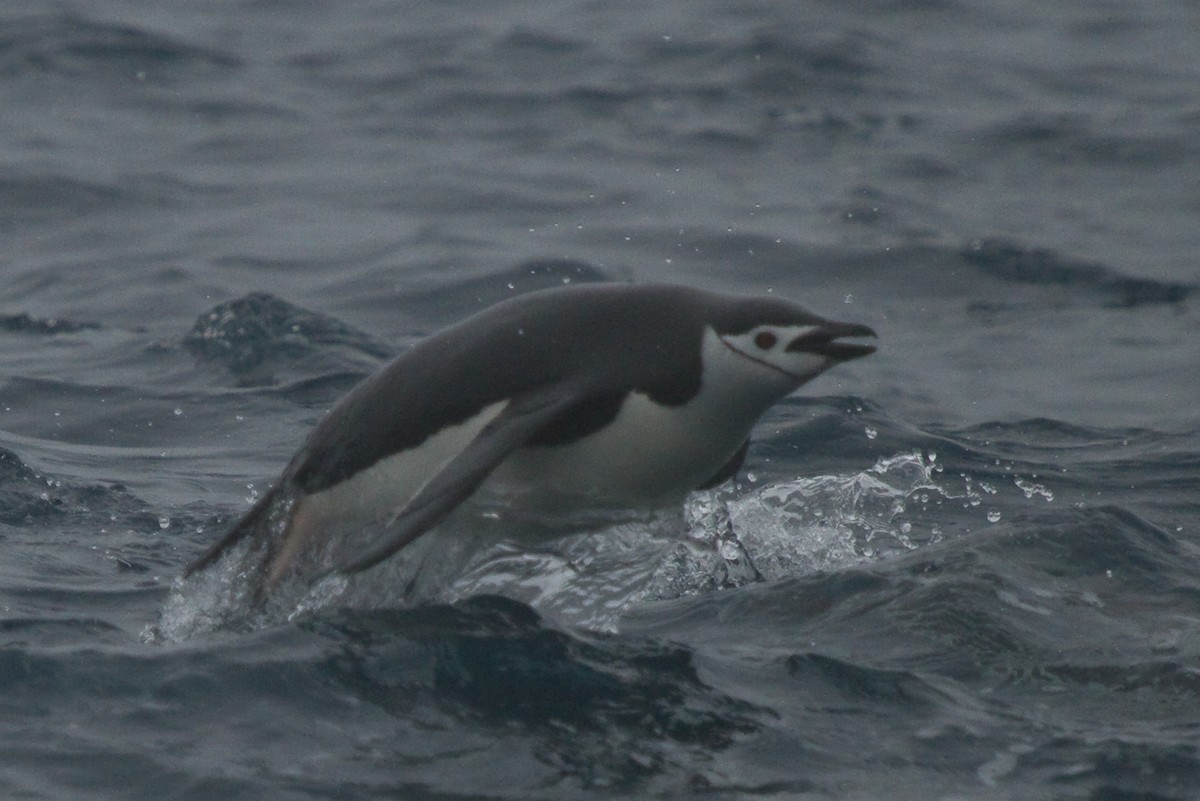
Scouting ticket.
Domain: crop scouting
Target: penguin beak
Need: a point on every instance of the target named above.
(824, 341)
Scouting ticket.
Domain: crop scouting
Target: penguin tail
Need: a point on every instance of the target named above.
(250, 524)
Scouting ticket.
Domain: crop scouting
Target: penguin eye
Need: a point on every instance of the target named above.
(765, 340)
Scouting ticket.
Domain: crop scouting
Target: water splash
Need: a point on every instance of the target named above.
(819, 523)
(724, 538)
(720, 539)
(211, 599)
(1032, 488)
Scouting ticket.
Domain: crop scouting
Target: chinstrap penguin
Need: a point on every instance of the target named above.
(608, 395)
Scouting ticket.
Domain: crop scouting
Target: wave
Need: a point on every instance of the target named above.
(73, 45)
(1014, 263)
(256, 335)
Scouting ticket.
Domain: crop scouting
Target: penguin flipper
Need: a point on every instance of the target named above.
(461, 476)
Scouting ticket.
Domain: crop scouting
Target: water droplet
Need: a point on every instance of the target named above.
(1030, 489)
(993, 516)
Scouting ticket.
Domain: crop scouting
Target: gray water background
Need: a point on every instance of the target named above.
(980, 545)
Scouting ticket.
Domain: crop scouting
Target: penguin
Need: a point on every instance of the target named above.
(587, 396)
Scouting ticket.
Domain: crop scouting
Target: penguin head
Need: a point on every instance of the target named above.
(800, 351)
(765, 348)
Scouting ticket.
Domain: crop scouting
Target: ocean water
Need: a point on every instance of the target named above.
(967, 567)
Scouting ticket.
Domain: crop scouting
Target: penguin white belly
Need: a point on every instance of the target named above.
(648, 454)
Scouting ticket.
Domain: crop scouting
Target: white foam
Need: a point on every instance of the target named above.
(720, 539)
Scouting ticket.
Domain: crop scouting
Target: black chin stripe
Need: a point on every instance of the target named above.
(756, 360)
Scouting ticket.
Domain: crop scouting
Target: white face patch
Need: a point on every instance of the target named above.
(765, 347)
